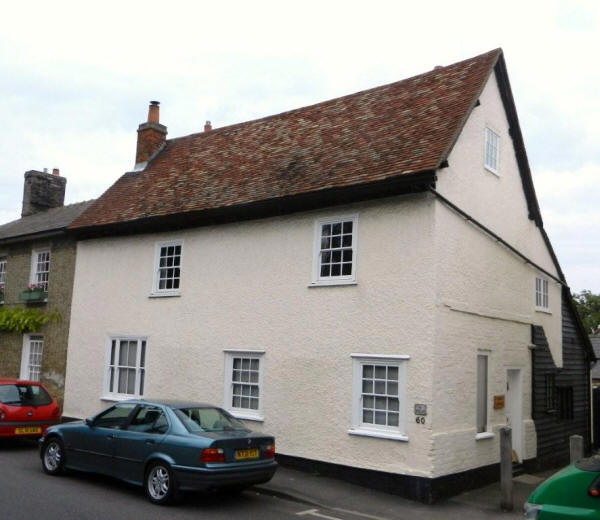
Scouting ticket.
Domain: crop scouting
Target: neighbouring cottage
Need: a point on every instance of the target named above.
(367, 278)
(37, 262)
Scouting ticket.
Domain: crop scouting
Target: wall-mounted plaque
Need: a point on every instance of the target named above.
(420, 409)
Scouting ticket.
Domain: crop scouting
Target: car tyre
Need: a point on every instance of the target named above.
(159, 483)
(53, 456)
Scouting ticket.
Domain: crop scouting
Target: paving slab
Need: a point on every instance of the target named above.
(320, 493)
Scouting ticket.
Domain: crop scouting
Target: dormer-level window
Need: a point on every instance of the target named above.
(2, 277)
(541, 294)
(167, 269)
(335, 251)
(40, 269)
(492, 150)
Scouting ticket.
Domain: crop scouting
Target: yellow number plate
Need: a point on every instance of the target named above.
(246, 454)
(28, 430)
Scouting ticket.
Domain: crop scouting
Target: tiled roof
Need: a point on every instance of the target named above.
(53, 219)
(394, 130)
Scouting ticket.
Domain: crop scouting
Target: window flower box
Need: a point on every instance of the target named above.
(34, 293)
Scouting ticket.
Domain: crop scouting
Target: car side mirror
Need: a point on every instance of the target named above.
(89, 422)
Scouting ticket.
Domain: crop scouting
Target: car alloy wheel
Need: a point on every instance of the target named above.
(53, 459)
(160, 484)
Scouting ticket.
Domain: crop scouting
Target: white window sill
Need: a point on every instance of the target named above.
(544, 310)
(492, 171)
(164, 294)
(246, 416)
(484, 435)
(378, 434)
(325, 283)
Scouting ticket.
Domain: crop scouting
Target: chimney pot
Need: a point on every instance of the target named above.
(55, 171)
(207, 126)
(154, 112)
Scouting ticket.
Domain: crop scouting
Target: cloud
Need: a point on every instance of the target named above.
(76, 81)
(570, 204)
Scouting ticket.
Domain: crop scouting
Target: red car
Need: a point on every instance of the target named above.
(26, 409)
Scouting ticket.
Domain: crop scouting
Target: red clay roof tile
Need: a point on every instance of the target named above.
(394, 130)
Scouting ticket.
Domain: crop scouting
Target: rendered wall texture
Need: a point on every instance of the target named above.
(246, 286)
(485, 294)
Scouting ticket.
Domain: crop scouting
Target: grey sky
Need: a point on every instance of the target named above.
(76, 79)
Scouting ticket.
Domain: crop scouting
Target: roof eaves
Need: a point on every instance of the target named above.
(33, 236)
(587, 343)
(518, 142)
(398, 185)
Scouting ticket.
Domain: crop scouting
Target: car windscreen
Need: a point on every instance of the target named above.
(24, 395)
(208, 420)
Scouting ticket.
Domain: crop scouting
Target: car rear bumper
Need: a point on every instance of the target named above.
(10, 429)
(207, 478)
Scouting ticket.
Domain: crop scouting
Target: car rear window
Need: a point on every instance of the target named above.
(208, 420)
(24, 395)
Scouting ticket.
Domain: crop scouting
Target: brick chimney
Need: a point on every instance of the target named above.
(42, 191)
(151, 136)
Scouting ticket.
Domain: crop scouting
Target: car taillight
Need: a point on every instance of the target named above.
(212, 455)
(594, 489)
(269, 451)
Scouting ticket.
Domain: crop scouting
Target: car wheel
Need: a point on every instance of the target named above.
(159, 484)
(53, 456)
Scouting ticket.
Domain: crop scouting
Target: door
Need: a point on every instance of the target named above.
(138, 440)
(514, 410)
(95, 443)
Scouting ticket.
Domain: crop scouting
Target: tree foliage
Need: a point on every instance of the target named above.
(22, 319)
(588, 306)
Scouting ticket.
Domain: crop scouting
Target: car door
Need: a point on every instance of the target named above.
(96, 443)
(135, 442)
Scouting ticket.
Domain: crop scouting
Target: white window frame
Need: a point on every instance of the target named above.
(486, 433)
(109, 394)
(243, 413)
(541, 294)
(26, 357)
(370, 430)
(156, 276)
(317, 279)
(33, 276)
(3, 265)
(490, 136)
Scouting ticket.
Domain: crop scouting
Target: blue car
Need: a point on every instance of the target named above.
(165, 446)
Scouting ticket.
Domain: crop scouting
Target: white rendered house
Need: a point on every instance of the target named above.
(364, 278)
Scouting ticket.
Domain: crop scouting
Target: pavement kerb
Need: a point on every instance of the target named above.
(288, 495)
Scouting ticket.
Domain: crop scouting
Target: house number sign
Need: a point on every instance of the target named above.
(420, 412)
(420, 409)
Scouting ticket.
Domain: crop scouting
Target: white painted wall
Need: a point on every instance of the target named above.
(246, 286)
(498, 202)
(485, 294)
